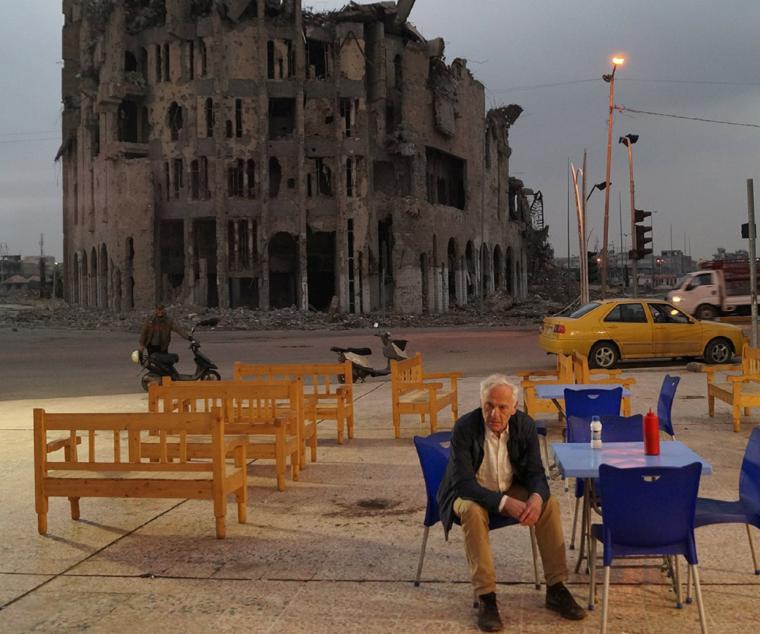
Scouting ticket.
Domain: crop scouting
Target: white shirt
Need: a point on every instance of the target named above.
(495, 472)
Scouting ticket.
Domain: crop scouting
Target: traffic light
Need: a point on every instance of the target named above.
(593, 267)
(641, 239)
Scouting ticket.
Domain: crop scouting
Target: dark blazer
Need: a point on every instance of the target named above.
(467, 439)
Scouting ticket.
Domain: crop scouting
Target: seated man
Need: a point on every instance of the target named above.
(495, 467)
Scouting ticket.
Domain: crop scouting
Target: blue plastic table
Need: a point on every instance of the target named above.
(579, 460)
(557, 391)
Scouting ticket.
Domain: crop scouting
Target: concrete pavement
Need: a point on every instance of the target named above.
(337, 551)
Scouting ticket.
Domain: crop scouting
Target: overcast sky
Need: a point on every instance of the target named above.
(686, 57)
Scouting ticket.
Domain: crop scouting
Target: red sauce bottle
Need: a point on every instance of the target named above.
(651, 434)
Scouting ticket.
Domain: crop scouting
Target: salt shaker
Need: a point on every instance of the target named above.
(596, 432)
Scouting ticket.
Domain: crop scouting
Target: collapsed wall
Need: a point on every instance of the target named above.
(250, 153)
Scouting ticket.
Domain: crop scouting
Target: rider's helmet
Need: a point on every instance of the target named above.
(136, 356)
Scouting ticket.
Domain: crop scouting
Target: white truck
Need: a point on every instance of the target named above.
(721, 287)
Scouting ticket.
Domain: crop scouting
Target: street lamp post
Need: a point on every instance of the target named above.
(628, 140)
(610, 79)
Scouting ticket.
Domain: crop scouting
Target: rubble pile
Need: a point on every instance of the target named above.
(556, 289)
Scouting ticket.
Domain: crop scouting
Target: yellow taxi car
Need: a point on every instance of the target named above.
(609, 330)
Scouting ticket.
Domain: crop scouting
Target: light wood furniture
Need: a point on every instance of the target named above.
(584, 375)
(411, 394)
(265, 414)
(739, 391)
(323, 399)
(529, 379)
(111, 464)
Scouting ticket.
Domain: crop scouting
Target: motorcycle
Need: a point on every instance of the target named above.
(159, 364)
(393, 350)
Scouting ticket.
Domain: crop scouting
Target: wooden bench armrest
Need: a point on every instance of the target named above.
(524, 374)
(442, 375)
(55, 445)
(410, 387)
(751, 378)
(708, 368)
(610, 373)
(233, 443)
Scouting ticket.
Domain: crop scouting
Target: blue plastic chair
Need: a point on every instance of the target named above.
(593, 402)
(665, 404)
(433, 452)
(614, 429)
(745, 510)
(647, 512)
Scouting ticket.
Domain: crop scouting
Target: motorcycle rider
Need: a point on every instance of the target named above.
(156, 333)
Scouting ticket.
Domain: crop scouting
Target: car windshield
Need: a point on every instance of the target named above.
(679, 283)
(583, 310)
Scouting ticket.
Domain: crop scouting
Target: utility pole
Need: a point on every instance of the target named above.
(621, 258)
(42, 266)
(568, 213)
(752, 257)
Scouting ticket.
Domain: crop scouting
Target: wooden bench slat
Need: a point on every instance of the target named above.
(740, 392)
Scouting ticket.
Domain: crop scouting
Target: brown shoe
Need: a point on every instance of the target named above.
(489, 619)
(559, 599)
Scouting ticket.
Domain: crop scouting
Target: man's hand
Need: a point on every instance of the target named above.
(532, 510)
(527, 513)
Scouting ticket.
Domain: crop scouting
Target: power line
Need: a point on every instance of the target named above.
(629, 79)
(28, 133)
(679, 116)
(4, 141)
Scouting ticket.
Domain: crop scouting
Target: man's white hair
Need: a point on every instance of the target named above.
(494, 380)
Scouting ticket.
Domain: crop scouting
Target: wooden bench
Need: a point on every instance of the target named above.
(411, 394)
(322, 399)
(265, 414)
(111, 464)
(739, 391)
(529, 379)
(584, 375)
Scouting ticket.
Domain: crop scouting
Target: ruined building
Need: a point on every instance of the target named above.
(251, 153)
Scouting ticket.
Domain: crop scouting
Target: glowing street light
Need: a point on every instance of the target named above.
(617, 60)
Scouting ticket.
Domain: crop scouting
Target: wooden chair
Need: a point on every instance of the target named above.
(255, 411)
(412, 394)
(584, 376)
(323, 399)
(563, 374)
(739, 391)
(111, 464)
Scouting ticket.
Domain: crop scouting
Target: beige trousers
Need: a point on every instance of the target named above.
(551, 542)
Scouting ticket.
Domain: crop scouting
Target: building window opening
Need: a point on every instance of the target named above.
(250, 172)
(144, 125)
(348, 110)
(324, 178)
(235, 179)
(320, 251)
(398, 72)
(130, 62)
(167, 63)
(445, 179)
(282, 113)
(238, 118)
(203, 53)
(167, 181)
(195, 179)
(275, 177)
(204, 178)
(159, 65)
(209, 109)
(175, 120)
(127, 125)
(178, 177)
(317, 59)
(349, 177)
(283, 270)
(228, 128)
(191, 59)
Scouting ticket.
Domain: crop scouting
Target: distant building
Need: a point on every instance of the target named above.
(254, 153)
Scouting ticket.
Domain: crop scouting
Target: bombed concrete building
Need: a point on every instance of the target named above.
(252, 153)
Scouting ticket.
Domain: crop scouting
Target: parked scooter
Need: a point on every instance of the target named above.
(393, 350)
(161, 364)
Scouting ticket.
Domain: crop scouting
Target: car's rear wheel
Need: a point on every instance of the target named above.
(706, 311)
(604, 355)
(719, 350)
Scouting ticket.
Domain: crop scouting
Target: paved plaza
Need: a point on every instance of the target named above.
(337, 551)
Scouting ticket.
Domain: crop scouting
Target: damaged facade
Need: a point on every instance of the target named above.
(250, 153)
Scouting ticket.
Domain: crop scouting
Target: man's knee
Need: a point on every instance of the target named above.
(550, 507)
(469, 511)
